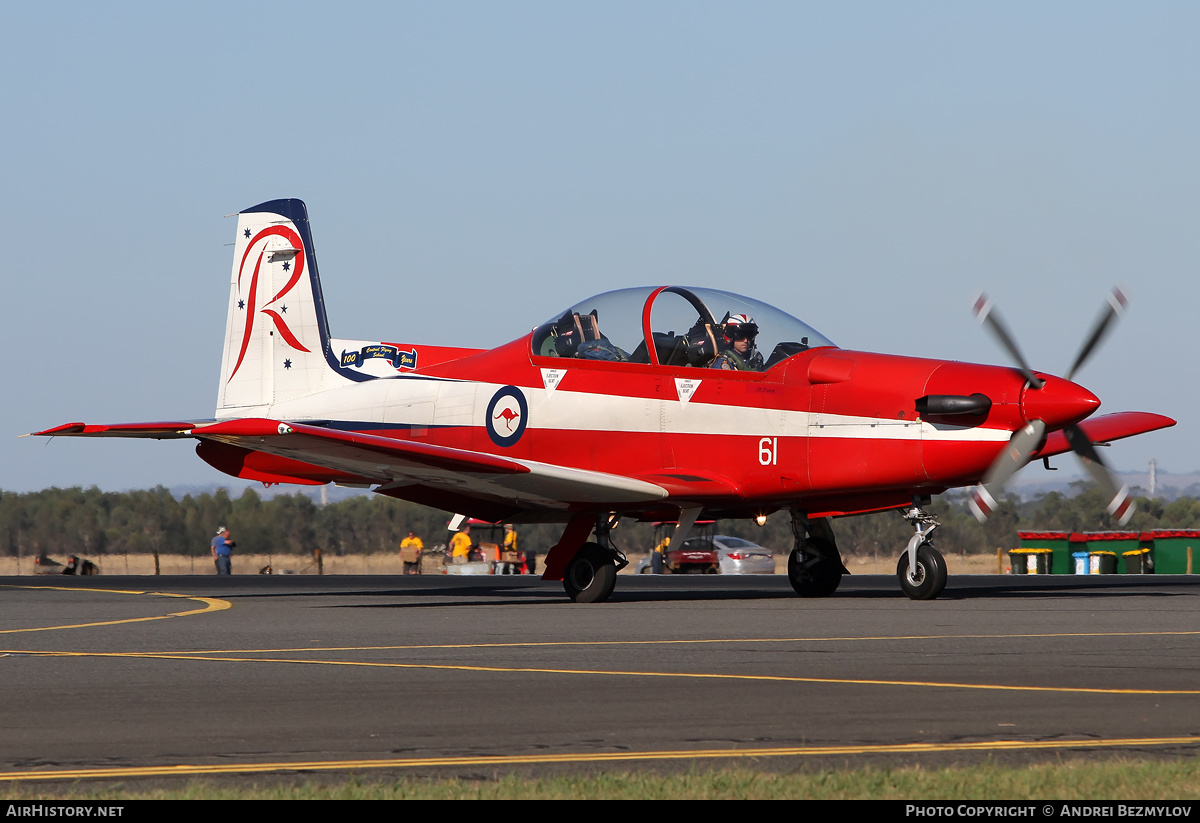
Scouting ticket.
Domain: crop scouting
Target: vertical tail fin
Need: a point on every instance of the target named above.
(276, 336)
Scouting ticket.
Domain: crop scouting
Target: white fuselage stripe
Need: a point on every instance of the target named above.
(441, 403)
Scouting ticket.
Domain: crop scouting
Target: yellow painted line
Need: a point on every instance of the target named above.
(211, 604)
(535, 644)
(753, 678)
(188, 770)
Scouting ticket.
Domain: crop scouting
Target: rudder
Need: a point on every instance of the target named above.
(276, 334)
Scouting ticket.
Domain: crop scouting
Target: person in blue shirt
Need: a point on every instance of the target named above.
(222, 550)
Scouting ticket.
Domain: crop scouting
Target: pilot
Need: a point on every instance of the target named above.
(739, 354)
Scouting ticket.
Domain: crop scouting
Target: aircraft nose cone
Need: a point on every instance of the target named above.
(1059, 402)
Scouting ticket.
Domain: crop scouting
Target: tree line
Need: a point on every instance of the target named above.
(89, 522)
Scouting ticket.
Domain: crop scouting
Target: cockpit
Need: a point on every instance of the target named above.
(676, 326)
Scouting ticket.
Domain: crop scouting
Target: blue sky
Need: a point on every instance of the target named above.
(473, 168)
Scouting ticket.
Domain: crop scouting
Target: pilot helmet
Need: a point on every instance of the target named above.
(740, 327)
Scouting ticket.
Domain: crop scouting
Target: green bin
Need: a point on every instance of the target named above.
(1175, 550)
(1058, 561)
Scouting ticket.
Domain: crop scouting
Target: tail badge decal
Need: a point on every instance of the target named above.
(399, 358)
(252, 297)
(506, 416)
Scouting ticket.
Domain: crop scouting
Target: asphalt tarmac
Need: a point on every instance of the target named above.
(126, 677)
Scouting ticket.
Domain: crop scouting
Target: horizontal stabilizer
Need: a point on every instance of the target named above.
(155, 431)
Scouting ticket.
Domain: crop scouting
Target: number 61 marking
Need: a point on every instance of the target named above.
(768, 451)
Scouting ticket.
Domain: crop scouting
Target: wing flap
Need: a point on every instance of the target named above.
(548, 480)
(695, 486)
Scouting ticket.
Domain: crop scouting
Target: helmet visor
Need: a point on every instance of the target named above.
(742, 331)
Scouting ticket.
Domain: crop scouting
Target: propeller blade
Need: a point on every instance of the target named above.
(1006, 464)
(1120, 506)
(985, 313)
(1117, 303)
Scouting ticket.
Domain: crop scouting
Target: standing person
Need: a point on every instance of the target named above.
(509, 554)
(411, 549)
(222, 551)
(460, 545)
(656, 556)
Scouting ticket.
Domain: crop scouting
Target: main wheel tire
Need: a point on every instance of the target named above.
(929, 577)
(591, 575)
(819, 579)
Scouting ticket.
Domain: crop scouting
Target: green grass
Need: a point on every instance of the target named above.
(1171, 779)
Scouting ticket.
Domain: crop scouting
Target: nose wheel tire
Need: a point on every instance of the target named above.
(591, 575)
(927, 579)
(814, 573)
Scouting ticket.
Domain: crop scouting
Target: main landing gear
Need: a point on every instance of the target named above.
(592, 573)
(922, 569)
(815, 566)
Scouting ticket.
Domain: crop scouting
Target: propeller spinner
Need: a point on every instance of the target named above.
(1051, 403)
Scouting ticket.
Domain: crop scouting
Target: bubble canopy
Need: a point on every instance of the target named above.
(672, 326)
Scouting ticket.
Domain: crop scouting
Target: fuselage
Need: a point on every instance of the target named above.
(830, 430)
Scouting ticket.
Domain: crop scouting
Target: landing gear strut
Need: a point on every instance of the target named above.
(592, 573)
(922, 569)
(814, 567)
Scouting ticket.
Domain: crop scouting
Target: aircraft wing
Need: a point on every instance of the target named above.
(436, 475)
(1106, 428)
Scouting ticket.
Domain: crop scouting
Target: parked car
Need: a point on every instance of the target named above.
(696, 556)
(717, 554)
(738, 556)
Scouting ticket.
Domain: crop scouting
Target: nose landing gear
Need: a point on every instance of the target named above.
(922, 569)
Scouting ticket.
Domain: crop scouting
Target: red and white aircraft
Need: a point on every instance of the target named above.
(611, 409)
